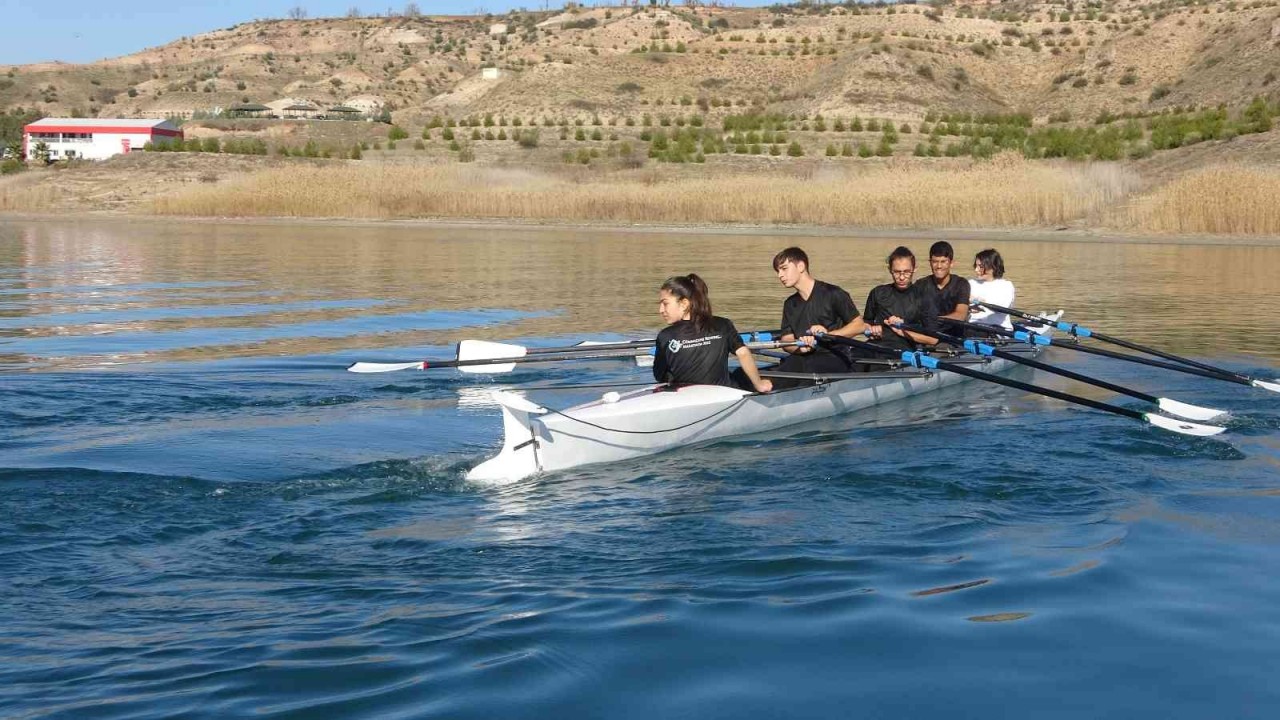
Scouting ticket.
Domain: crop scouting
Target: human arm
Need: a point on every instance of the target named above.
(748, 362)
(873, 316)
(893, 321)
(997, 292)
(789, 334)
(660, 369)
(853, 328)
(960, 311)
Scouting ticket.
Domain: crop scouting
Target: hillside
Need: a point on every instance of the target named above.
(1047, 59)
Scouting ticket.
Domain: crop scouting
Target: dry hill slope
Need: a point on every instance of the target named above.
(1045, 58)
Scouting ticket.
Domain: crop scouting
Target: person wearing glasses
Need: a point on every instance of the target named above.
(902, 302)
(990, 286)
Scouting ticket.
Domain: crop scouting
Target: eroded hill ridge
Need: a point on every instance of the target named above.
(1051, 60)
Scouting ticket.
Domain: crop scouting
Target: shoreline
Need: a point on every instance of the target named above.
(1030, 234)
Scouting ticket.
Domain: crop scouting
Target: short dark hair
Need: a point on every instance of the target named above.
(901, 251)
(792, 255)
(991, 260)
(942, 248)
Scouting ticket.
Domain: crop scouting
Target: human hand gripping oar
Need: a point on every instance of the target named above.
(475, 356)
(919, 359)
(1084, 332)
(1173, 407)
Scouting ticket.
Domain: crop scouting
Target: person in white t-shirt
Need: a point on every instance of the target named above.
(990, 286)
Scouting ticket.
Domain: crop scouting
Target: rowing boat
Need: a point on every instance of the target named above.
(621, 426)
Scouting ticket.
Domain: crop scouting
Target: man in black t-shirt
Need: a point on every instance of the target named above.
(815, 307)
(901, 302)
(950, 293)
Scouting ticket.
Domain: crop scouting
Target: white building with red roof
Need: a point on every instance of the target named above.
(94, 138)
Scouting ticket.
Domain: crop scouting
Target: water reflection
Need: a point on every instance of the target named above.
(174, 291)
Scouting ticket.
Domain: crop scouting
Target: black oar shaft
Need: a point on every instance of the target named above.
(1088, 332)
(574, 349)
(1052, 369)
(1168, 356)
(1006, 382)
(429, 364)
(1101, 352)
(1048, 392)
(1076, 376)
(752, 336)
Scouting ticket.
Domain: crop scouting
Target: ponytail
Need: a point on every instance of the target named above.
(692, 288)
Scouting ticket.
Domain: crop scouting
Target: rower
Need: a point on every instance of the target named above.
(950, 293)
(900, 302)
(695, 346)
(816, 307)
(990, 286)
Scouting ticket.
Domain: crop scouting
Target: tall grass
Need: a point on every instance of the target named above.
(1012, 193)
(16, 197)
(1222, 200)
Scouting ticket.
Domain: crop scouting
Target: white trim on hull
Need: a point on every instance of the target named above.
(655, 420)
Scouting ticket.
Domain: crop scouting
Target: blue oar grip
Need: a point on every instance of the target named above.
(978, 348)
(920, 360)
(1032, 338)
(1074, 329)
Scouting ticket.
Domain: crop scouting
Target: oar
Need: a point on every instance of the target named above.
(477, 349)
(1174, 407)
(822, 378)
(498, 365)
(507, 364)
(1084, 332)
(1030, 337)
(919, 359)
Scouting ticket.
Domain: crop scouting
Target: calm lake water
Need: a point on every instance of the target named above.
(203, 515)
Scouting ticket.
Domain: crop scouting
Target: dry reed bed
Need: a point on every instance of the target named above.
(1005, 193)
(18, 197)
(1223, 200)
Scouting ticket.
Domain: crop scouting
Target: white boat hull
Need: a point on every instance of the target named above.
(657, 419)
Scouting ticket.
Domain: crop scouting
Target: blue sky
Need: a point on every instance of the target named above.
(83, 31)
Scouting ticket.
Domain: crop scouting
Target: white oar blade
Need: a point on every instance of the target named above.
(1183, 427)
(485, 350)
(373, 367)
(1190, 412)
(1272, 386)
(473, 350)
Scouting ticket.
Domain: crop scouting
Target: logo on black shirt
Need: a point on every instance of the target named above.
(674, 346)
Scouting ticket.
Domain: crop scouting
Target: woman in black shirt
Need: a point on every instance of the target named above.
(694, 348)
